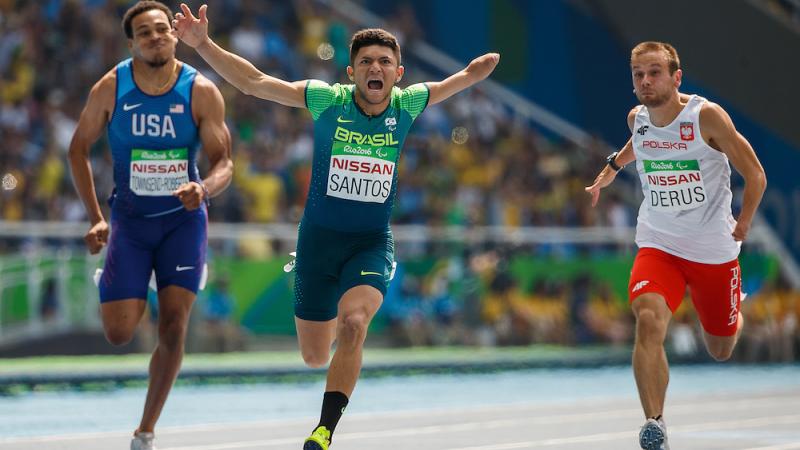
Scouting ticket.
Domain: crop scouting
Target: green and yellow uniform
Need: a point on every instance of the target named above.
(344, 238)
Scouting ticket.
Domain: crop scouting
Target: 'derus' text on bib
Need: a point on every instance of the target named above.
(158, 172)
(362, 173)
(674, 185)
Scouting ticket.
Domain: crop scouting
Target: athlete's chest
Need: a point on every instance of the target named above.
(363, 154)
(167, 118)
(348, 125)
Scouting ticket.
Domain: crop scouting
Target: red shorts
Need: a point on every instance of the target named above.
(715, 288)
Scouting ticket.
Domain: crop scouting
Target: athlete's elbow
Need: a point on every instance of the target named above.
(227, 174)
(250, 85)
(759, 180)
(245, 88)
(78, 151)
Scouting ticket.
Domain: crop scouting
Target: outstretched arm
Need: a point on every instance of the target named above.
(722, 135)
(476, 71)
(239, 72)
(91, 124)
(608, 174)
(208, 109)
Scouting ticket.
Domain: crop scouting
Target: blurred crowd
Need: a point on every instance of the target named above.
(470, 161)
(478, 299)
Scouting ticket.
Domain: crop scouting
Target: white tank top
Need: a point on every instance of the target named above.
(686, 209)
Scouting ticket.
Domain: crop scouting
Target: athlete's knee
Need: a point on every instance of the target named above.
(315, 358)
(119, 336)
(172, 331)
(721, 354)
(353, 327)
(651, 328)
(720, 350)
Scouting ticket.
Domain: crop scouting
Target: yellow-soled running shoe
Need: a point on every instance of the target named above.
(320, 439)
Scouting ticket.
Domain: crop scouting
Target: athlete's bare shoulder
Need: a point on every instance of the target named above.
(714, 116)
(715, 122)
(103, 94)
(632, 116)
(106, 85)
(98, 109)
(205, 88)
(711, 108)
(208, 101)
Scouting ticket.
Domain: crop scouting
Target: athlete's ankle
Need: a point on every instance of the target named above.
(333, 406)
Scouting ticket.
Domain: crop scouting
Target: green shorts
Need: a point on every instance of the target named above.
(330, 262)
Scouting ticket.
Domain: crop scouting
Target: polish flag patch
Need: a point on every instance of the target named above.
(687, 131)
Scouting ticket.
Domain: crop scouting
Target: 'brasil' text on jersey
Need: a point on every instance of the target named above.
(354, 177)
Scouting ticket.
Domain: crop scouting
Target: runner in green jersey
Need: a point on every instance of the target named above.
(345, 249)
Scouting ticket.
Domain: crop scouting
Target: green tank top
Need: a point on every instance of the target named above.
(354, 175)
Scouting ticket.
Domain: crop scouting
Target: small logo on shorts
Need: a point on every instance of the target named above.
(640, 285)
(180, 268)
(363, 273)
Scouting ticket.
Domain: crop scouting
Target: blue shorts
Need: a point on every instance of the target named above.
(330, 262)
(174, 245)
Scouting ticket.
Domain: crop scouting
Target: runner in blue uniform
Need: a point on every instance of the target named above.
(157, 111)
(345, 250)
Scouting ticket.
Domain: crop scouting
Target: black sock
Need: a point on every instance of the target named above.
(333, 405)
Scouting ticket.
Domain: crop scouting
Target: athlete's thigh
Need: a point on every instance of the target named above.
(174, 305)
(716, 294)
(370, 266)
(316, 284)
(656, 271)
(123, 315)
(315, 337)
(316, 295)
(181, 254)
(129, 261)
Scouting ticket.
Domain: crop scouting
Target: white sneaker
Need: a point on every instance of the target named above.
(143, 441)
(653, 435)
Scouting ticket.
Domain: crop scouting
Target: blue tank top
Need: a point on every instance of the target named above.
(154, 142)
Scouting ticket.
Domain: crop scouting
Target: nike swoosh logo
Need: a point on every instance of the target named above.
(340, 120)
(127, 107)
(182, 268)
(370, 273)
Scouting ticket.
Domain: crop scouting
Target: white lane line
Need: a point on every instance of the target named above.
(789, 446)
(495, 424)
(728, 424)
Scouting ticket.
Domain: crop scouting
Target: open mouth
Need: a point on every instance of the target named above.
(375, 85)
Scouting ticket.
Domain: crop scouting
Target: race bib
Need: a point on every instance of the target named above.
(362, 173)
(674, 185)
(156, 173)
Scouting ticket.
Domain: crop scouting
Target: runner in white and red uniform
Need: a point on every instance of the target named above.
(686, 233)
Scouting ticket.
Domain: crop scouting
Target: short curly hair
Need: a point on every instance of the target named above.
(140, 7)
